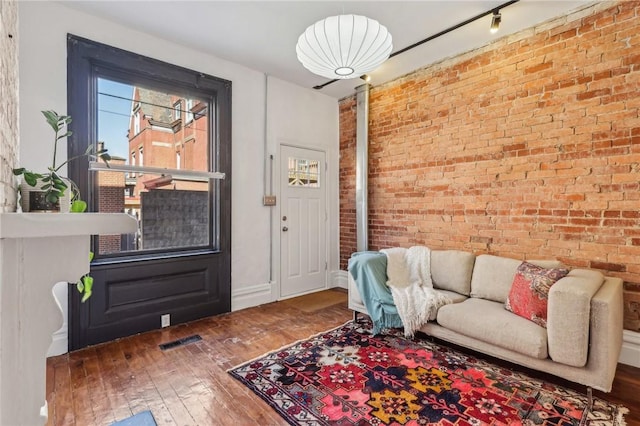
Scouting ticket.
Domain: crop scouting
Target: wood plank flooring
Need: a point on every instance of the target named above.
(189, 385)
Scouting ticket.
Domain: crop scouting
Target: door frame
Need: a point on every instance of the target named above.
(276, 290)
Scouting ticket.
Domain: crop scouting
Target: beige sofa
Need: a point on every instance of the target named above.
(583, 338)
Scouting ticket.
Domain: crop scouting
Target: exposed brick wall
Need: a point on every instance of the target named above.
(528, 148)
(9, 98)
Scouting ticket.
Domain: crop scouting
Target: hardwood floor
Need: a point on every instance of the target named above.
(188, 385)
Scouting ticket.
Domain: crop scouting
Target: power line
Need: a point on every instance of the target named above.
(114, 113)
(171, 108)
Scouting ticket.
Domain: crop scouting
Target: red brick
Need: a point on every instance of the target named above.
(538, 68)
(607, 266)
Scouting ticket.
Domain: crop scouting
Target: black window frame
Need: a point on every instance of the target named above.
(92, 60)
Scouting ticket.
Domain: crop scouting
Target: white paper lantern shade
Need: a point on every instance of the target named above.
(345, 46)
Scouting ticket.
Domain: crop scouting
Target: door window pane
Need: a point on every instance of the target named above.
(173, 212)
(304, 173)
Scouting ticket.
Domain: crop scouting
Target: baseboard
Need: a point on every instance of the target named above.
(247, 297)
(339, 279)
(630, 353)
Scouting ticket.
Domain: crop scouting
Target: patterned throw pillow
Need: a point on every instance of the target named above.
(530, 291)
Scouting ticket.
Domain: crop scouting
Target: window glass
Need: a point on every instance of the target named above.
(176, 110)
(304, 173)
(136, 122)
(173, 211)
(188, 113)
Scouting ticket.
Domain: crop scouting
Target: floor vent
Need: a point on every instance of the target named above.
(180, 342)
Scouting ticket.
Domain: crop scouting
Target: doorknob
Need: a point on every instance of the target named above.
(285, 229)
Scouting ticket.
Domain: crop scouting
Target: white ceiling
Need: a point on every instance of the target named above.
(262, 35)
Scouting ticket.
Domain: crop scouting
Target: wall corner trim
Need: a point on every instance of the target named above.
(340, 279)
(254, 295)
(630, 353)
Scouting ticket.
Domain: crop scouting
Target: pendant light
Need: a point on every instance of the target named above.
(344, 46)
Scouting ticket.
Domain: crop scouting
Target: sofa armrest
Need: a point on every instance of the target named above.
(568, 316)
(606, 331)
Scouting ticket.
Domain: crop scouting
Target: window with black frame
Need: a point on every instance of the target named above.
(168, 131)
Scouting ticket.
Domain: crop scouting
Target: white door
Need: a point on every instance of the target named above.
(302, 221)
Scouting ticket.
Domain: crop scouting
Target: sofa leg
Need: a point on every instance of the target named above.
(589, 399)
(355, 316)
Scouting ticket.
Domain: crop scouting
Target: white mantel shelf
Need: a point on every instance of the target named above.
(38, 250)
(42, 225)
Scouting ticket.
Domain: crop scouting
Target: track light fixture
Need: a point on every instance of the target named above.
(495, 21)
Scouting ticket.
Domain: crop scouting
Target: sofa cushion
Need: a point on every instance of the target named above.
(530, 291)
(493, 276)
(454, 296)
(488, 321)
(452, 269)
(354, 294)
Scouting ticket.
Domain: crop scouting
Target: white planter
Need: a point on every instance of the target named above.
(27, 197)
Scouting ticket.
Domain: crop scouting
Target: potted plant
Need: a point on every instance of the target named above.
(49, 191)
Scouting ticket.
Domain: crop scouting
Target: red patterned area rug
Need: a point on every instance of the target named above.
(348, 377)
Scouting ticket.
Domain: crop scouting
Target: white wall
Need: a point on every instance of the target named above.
(308, 119)
(311, 118)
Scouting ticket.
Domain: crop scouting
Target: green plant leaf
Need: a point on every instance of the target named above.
(90, 256)
(64, 135)
(52, 197)
(59, 185)
(53, 119)
(88, 286)
(78, 206)
(31, 178)
(19, 171)
(46, 186)
(80, 285)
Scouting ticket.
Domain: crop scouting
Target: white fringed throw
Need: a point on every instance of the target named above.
(409, 278)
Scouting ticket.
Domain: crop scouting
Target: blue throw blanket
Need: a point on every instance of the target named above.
(369, 271)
